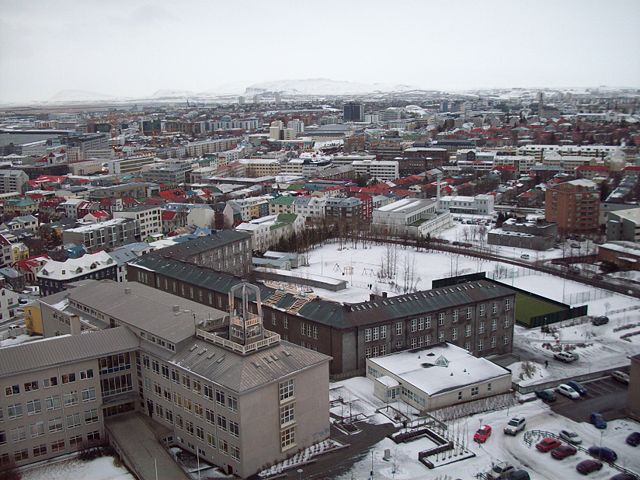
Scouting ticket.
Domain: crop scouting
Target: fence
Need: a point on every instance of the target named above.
(496, 402)
(588, 295)
(576, 378)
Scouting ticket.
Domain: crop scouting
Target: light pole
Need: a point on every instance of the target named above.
(371, 464)
(299, 473)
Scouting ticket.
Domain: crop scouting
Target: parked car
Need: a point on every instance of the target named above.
(525, 256)
(571, 437)
(566, 357)
(567, 391)
(585, 467)
(578, 387)
(601, 320)
(624, 476)
(620, 376)
(515, 425)
(520, 475)
(633, 439)
(563, 451)
(547, 444)
(482, 434)
(547, 395)
(598, 420)
(501, 471)
(603, 453)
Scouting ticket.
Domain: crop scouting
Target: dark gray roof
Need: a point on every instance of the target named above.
(63, 350)
(242, 373)
(331, 313)
(186, 250)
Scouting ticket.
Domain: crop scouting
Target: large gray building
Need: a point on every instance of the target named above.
(13, 181)
(104, 235)
(624, 225)
(220, 385)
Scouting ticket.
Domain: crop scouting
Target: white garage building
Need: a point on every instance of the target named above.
(436, 377)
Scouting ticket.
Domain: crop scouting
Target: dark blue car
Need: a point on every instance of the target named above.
(603, 453)
(633, 439)
(577, 387)
(598, 420)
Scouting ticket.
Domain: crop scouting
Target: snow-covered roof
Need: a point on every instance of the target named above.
(75, 267)
(582, 182)
(629, 248)
(426, 370)
(631, 214)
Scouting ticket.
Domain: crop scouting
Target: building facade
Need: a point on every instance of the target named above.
(574, 206)
(477, 316)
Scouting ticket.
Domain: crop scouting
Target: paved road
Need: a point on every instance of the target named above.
(333, 465)
(604, 395)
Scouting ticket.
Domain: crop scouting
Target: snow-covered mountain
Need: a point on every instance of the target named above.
(323, 86)
(64, 96)
(171, 93)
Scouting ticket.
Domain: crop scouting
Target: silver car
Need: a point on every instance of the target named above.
(570, 437)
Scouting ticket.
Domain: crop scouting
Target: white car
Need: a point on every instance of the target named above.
(570, 437)
(567, 391)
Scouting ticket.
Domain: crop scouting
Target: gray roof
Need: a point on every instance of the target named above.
(331, 313)
(242, 373)
(143, 307)
(63, 350)
(200, 245)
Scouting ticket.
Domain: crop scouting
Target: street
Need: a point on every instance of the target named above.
(605, 395)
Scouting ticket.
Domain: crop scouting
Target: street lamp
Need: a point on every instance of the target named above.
(299, 473)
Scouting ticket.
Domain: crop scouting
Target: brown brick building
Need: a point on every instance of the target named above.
(476, 315)
(574, 206)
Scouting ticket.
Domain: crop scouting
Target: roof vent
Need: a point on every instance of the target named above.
(176, 308)
(193, 347)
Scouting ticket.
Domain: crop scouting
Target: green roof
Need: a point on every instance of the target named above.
(283, 200)
(284, 219)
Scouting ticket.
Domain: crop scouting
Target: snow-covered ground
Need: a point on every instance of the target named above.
(101, 468)
(477, 236)
(501, 447)
(361, 268)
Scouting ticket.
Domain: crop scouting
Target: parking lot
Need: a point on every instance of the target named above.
(605, 395)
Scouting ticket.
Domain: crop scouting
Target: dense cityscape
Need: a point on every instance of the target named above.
(316, 278)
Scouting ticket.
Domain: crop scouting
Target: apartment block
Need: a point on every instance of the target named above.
(104, 235)
(574, 206)
(149, 218)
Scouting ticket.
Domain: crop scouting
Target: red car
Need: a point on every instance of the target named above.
(483, 434)
(585, 467)
(563, 451)
(547, 444)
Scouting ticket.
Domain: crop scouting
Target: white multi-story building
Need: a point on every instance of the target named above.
(522, 163)
(412, 216)
(8, 304)
(267, 231)
(567, 163)
(478, 205)
(199, 148)
(310, 207)
(13, 181)
(382, 170)
(538, 151)
(149, 218)
(296, 125)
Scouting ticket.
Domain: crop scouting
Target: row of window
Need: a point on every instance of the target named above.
(57, 424)
(57, 446)
(194, 385)
(53, 402)
(424, 323)
(49, 382)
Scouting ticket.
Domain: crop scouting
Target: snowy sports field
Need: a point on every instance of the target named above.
(366, 271)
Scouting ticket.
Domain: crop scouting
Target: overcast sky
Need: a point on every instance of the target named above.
(136, 47)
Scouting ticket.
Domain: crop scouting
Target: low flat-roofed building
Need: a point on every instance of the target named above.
(624, 225)
(478, 205)
(436, 377)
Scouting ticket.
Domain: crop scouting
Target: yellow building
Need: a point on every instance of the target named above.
(33, 319)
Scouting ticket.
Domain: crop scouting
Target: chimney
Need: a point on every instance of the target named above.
(384, 294)
(74, 323)
(176, 308)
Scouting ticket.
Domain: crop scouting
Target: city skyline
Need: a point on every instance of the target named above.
(134, 49)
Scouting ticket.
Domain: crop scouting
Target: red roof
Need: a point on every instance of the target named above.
(100, 214)
(167, 215)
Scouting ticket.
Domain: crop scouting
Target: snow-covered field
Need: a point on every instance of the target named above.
(362, 267)
(99, 469)
(501, 447)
